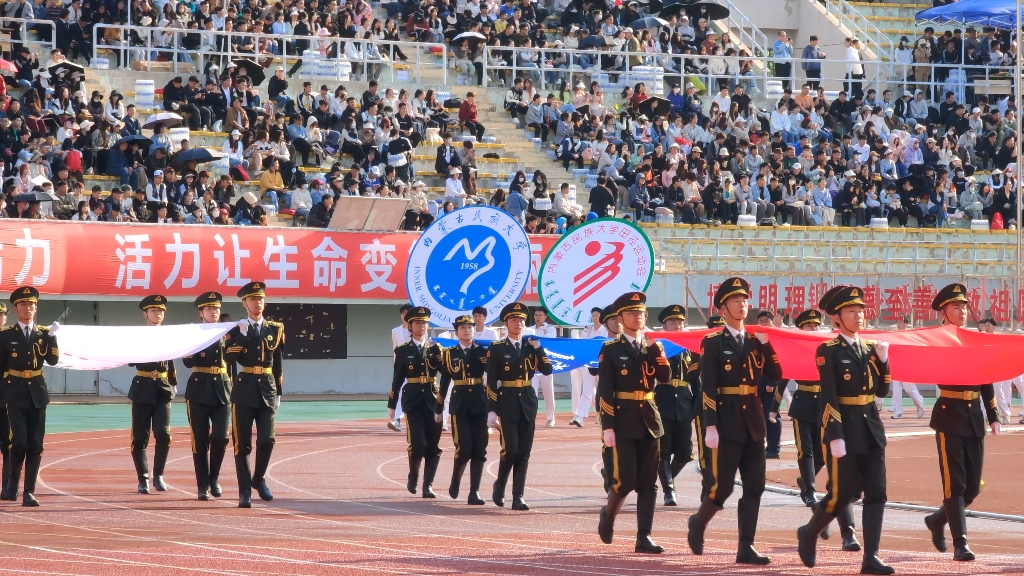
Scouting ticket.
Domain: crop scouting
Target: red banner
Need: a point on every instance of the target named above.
(940, 355)
(179, 261)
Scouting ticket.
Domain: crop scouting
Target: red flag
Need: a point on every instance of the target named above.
(941, 355)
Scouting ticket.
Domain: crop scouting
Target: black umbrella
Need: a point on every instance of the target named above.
(647, 22)
(34, 197)
(594, 41)
(655, 106)
(253, 70)
(674, 9)
(199, 155)
(65, 68)
(707, 10)
(139, 138)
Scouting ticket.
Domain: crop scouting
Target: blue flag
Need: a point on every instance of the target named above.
(569, 353)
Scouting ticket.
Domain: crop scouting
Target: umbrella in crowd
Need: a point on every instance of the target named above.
(594, 41)
(139, 138)
(647, 22)
(198, 155)
(34, 197)
(654, 106)
(471, 36)
(167, 119)
(253, 70)
(707, 10)
(65, 67)
(8, 66)
(674, 9)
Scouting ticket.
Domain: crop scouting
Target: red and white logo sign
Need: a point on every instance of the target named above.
(591, 266)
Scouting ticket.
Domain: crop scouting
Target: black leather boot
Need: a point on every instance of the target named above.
(872, 564)
(3, 476)
(807, 535)
(476, 473)
(678, 464)
(698, 523)
(498, 492)
(668, 485)
(202, 464)
(607, 457)
(606, 523)
(806, 481)
(747, 512)
(244, 481)
(32, 462)
(957, 528)
(414, 473)
(645, 523)
(936, 523)
(519, 485)
(216, 460)
(847, 529)
(141, 470)
(159, 463)
(457, 472)
(259, 470)
(429, 471)
(14, 475)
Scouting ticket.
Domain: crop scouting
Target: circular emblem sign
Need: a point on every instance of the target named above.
(593, 265)
(473, 256)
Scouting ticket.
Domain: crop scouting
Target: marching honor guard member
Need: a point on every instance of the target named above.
(416, 366)
(151, 393)
(257, 345)
(958, 419)
(207, 397)
(5, 427)
(675, 400)
(852, 372)
(732, 425)
(631, 424)
(511, 366)
(610, 320)
(23, 349)
(399, 335)
(464, 365)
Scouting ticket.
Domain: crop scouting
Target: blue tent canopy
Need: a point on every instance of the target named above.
(1002, 13)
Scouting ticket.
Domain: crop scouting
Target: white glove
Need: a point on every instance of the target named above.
(711, 437)
(762, 337)
(437, 418)
(243, 327)
(535, 343)
(882, 349)
(391, 414)
(277, 403)
(54, 327)
(997, 428)
(838, 447)
(492, 419)
(773, 417)
(609, 438)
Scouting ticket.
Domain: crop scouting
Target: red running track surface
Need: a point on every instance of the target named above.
(341, 507)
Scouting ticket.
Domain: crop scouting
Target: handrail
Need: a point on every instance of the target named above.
(210, 40)
(749, 34)
(25, 24)
(851, 18)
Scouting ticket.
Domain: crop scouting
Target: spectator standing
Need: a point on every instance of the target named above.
(782, 52)
(811, 65)
(854, 69)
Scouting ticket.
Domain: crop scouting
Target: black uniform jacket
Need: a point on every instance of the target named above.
(417, 369)
(850, 380)
(258, 350)
(159, 386)
(464, 368)
(205, 388)
(504, 364)
(622, 370)
(26, 356)
(964, 416)
(678, 398)
(723, 364)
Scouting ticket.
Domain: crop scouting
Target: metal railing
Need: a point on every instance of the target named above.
(134, 44)
(851, 19)
(24, 27)
(749, 34)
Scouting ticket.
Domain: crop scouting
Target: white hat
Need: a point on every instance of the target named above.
(849, 173)
(250, 198)
(723, 151)
(976, 111)
(456, 170)
(158, 173)
(581, 85)
(997, 172)
(86, 124)
(235, 132)
(418, 184)
(688, 86)
(375, 170)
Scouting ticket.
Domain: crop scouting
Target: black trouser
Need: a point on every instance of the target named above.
(209, 425)
(773, 430)
(304, 148)
(469, 432)
(852, 474)
(205, 115)
(539, 131)
(5, 444)
(719, 472)
(567, 159)
(960, 463)
(353, 149)
(814, 78)
(416, 220)
(635, 465)
(856, 86)
(808, 443)
(195, 118)
(917, 212)
(782, 71)
(422, 432)
(516, 439)
(158, 418)
(242, 420)
(28, 426)
(676, 443)
(478, 129)
(900, 215)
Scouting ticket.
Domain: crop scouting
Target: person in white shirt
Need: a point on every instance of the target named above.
(156, 191)
(722, 99)
(1004, 389)
(399, 335)
(544, 384)
(453, 190)
(583, 382)
(899, 387)
(780, 124)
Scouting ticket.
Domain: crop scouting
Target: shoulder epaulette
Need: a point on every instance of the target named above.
(609, 342)
(495, 342)
(870, 342)
(5, 328)
(43, 328)
(833, 342)
(274, 323)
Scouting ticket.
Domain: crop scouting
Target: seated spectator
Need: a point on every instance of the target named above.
(320, 214)
(248, 212)
(271, 183)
